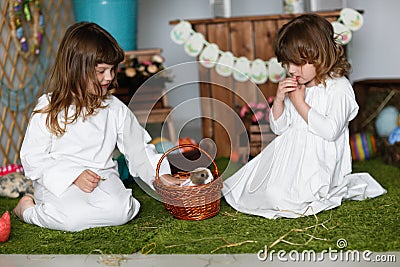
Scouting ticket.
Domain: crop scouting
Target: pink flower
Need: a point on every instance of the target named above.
(257, 112)
(252, 105)
(258, 116)
(261, 105)
(146, 62)
(243, 111)
(270, 99)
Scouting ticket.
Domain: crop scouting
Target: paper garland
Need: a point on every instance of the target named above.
(258, 70)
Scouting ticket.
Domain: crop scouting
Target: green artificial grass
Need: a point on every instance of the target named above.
(372, 224)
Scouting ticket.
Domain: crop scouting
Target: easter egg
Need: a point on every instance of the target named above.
(363, 146)
(394, 137)
(158, 140)
(225, 64)
(5, 227)
(342, 33)
(181, 32)
(194, 44)
(209, 56)
(163, 146)
(242, 69)
(386, 121)
(258, 71)
(186, 140)
(275, 70)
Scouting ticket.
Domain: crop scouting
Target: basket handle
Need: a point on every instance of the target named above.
(180, 146)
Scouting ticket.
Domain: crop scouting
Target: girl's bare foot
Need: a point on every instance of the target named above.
(25, 202)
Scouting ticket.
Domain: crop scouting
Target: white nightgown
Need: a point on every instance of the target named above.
(307, 167)
(54, 163)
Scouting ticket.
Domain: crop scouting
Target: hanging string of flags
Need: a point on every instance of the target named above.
(241, 68)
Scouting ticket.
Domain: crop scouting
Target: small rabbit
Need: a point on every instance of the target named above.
(198, 176)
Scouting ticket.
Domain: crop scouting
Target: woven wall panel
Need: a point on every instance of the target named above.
(21, 78)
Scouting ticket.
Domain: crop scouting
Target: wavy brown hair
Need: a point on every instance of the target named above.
(310, 39)
(83, 46)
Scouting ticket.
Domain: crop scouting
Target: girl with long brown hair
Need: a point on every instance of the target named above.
(72, 134)
(307, 168)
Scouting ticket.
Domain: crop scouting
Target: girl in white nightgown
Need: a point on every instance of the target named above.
(68, 146)
(307, 168)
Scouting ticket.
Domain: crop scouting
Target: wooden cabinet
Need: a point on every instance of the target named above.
(251, 37)
(148, 101)
(372, 96)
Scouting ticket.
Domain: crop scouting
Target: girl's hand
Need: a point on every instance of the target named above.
(284, 87)
(298, 95)
(87, 181)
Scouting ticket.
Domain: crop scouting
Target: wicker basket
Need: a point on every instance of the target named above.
(190, 202)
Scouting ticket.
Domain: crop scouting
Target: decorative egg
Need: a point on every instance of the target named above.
(363, 146)
(351, 18)
(258, 71)
(186, 140)
(5, 227)
(394, 137)
(242, 69)
(225, 64)
(342, 33)
(194, 44)
(158, 140)
(276, 71)
(208, 58)
(181, 32)
(164, 146)
(386, 121)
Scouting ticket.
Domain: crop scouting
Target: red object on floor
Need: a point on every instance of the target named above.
(5, 227)
(10, 168)
(186, 140)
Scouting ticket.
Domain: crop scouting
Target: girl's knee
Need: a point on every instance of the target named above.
(119, 211)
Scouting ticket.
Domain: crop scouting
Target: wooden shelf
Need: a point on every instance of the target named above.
(150, 102)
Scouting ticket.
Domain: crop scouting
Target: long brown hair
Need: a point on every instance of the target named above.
(83, 46)
(310, 39)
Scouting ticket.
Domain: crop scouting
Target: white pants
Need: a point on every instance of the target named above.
(109, 204)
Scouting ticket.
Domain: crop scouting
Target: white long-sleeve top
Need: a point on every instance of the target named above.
(89, 144)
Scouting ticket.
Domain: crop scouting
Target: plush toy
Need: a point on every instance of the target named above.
(198, 176)
(5, 227)
(363, 146)
(13, 185)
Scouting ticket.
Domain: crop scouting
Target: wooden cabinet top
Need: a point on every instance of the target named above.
(334, 13)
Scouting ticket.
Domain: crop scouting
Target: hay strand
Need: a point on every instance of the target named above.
(303, 230)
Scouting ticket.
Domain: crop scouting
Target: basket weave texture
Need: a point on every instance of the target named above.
(190, 202)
